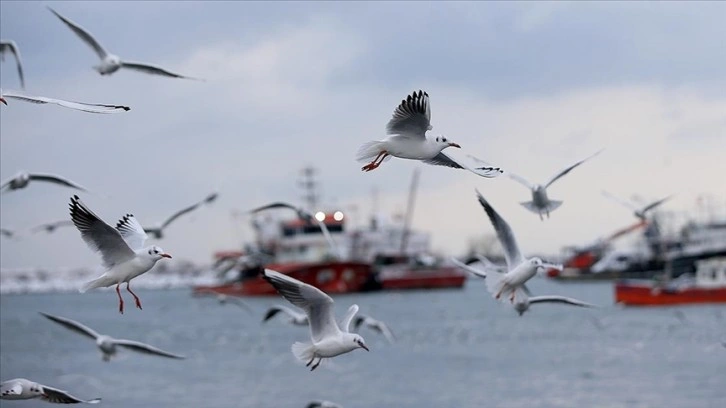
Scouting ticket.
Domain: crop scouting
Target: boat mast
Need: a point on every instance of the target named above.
(409, 210)
(309, 186)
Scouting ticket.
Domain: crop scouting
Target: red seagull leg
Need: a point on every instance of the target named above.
(136, 298)
(120, 299)
(373, 165)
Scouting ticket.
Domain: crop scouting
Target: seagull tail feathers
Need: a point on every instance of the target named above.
(100, 282)
(369, 150)
(303, 351)
(495, 282)
(553, 205)
(530, 206)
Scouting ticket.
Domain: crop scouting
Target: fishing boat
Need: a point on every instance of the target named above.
(707, 285)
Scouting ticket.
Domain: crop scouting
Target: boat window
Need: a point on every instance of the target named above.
(714, 273)
(325, 276)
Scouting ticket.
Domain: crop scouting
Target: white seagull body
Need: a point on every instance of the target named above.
(23, 389)
(22, 179)
(296, 318)
(158, 231)
(408, 126)
(541, 204)
(121, 249)
(107, 344)
(308, 217)
(519, 268)
(11, 47)
(80, 106)
(328, 340)
(111, 63)
(374, 324)
(640, 212)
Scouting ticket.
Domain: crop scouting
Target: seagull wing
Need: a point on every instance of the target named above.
(13, 48)
(655, 204)
(620, 201)
(569, 169)
(386, 331)
(57, 396)
(85, 107)
(559, 299)
(274, 205)
(468, 268)
(521, 180)
(412, 118)
(358, 320)
(241, 304)
(83, 34)
(274, 310)
(443, 159)
(132, 232)
(100, 236)
(512, 254)
(316, 304)
(145, 348)
(73, 325)
(181, 212)
(345, 323)
(56, 179)
(151, 69)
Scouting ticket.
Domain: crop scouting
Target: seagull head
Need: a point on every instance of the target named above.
(444, 142)
(157, 253)
(360, 343)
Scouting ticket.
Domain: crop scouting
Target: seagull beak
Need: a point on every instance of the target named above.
(454, 145)
(364, 346)
(165, 256)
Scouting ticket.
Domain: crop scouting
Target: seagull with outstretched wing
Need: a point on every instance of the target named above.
(541, 203)
(408, 126)
(108, 344)
(111, 63)
(158, 231)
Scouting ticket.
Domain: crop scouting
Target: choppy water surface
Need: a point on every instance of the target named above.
(456, 348)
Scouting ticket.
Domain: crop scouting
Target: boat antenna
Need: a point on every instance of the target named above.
(309, 185)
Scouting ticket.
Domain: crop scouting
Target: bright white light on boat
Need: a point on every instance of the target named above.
(338, 216)
(320, 216)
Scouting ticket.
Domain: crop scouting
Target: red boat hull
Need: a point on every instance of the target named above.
(330, 277)
(645, 294)
(435, 278)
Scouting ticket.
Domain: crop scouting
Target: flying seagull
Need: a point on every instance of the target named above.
(10, 46)
(22, 389)
(85, 107)
(640, 212)
(307, 217)
(107, 344)
(158, 231)
(122, 249)
(7, 233)
(523, 303)
(224, 299)
(541, 204)
(519, 268)
(408, 126)
(296, 318)
(52, 226)
(22, 179)
(322, 404)
(374, 324)
(111, 63)
(328, 340)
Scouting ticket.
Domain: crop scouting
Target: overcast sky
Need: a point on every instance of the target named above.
(532, 87)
